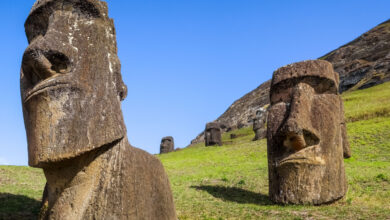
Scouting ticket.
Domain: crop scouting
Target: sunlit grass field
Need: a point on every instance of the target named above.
(230, 182)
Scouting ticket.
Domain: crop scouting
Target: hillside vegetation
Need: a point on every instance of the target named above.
(230, 182)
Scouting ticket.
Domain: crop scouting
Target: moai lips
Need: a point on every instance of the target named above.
(71, 88)
(306, 135)
(167, 145)
(213, 134)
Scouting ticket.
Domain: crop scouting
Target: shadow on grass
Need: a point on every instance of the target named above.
(18, 207)
(235, 194)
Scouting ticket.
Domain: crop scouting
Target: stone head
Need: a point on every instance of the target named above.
(167, 144)
(305, 141)
(71, 84)
(259, 119)
(213, 134)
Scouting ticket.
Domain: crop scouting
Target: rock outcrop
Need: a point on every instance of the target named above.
(362, 63)
(71, 88)
(305, 145)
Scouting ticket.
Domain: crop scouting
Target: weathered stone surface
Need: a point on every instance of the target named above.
(259, 123)
(306, 135)
(365, 61)
(71, 87)
(213, 134)
(167, 145)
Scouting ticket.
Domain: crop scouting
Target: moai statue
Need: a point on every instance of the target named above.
(213, 134)
(167, 145)
(71, 88)
(306, 135)
(259, 124)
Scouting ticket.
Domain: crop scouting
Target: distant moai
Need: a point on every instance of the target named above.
(259, 124)
(167, 145)
(71, 88)
(213, 134)
(306, 135)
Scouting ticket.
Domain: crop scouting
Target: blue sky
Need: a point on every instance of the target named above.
(186, 62)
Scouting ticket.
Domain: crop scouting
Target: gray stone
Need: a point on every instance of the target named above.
(259, 123)
(71, 88)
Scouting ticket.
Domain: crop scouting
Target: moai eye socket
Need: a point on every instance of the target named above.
(321, 85)
(282, 92)
(37, 23)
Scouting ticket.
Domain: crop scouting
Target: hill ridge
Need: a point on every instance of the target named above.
(362, 63)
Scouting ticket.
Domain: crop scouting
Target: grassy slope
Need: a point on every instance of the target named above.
(230, 182)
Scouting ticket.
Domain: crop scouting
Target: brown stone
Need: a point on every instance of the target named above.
(167, 145)
(259, 123)
(71, 87)
(306, 135)
(213, 134)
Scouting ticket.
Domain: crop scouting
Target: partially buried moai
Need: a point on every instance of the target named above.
(71, 89)
(167, 145)
(213, 134)
(306, 135)
(259, 124)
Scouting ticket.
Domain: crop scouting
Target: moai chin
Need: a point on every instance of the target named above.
(259, 124)
(213, 134)
(71, 88)
(306, 135)
(167, 145)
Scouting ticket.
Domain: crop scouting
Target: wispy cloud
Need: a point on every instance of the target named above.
(3, 161)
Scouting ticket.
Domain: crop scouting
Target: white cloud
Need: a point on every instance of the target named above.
(3, 161)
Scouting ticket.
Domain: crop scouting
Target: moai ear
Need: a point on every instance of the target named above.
(343, 129)
(121, 88)
(120, 85)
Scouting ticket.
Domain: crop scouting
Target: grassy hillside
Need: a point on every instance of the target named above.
(230, 182)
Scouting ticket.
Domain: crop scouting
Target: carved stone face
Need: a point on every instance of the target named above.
(259, 120)
(71, 84)
(305, 141)
(167, 145)
(213, 134)
(259, 125)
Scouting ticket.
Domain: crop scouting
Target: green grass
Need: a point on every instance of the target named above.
(20, 192)
(230, 182)
(368, 103)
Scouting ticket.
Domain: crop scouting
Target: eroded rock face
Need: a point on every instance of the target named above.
(365, 61)
(213, 134)
(259, 124)
(306, 135)
(167, 145)
(71, 88)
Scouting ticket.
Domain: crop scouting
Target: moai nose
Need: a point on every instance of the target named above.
(39, 65)
(298, 131)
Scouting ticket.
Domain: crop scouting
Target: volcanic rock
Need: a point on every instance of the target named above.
(305, 135)
(71, 88)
